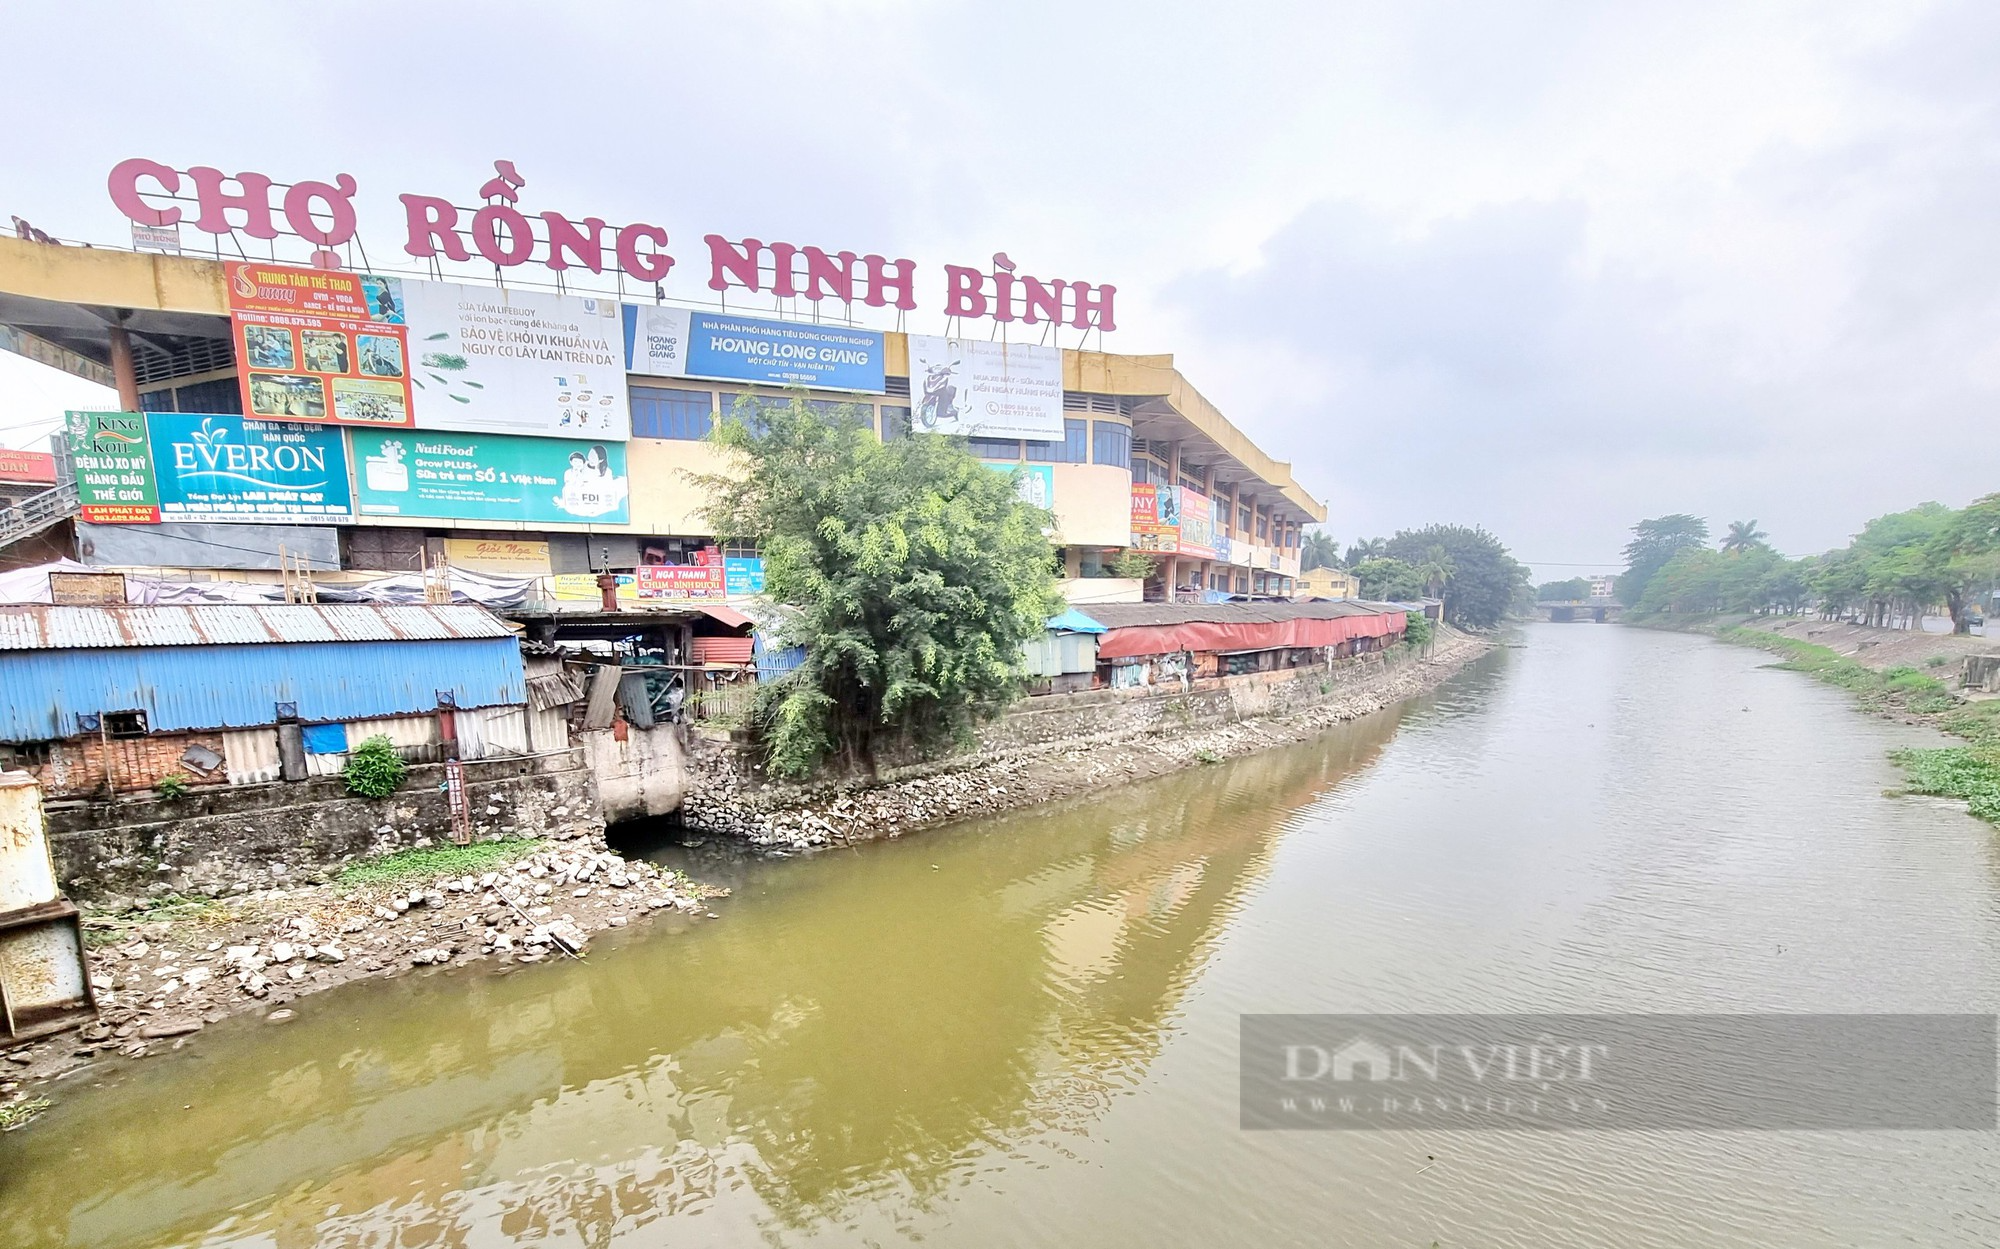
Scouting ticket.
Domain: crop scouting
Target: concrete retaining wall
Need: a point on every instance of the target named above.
(220, 841)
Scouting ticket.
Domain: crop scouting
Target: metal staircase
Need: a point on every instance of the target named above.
(38, 512)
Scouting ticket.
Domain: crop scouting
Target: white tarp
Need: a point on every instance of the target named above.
(977, 388)
(31, 585)
(488, 360)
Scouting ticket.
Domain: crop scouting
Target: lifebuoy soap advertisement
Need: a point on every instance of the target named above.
(487, 360)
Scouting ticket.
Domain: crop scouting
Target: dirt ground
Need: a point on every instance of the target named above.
(1883, 648)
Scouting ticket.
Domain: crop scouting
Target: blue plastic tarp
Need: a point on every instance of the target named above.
(1074, 621)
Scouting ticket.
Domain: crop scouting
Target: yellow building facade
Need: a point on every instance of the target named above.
(158, 328)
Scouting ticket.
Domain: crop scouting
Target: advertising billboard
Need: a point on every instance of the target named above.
(222, 468)
(972, 387)
(1197, 524)
(37, 468)
(679, 342)
(535, 363)
(1037, 486)
(490, 477)
(1155, 519)
(319, 345)
(114, 467)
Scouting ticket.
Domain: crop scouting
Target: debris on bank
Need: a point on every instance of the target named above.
(158, 981)
(814, 816)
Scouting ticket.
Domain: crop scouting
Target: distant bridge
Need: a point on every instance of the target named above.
(1592, 610)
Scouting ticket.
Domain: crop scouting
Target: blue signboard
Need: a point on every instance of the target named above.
(742, 576)
(679, 342)
(229, 468)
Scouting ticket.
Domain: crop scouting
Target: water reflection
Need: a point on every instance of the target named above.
(864, 1029)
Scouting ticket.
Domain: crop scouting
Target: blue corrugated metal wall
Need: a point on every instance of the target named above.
(214, 687)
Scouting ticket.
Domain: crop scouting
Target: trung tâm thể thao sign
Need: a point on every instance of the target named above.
(500, 232)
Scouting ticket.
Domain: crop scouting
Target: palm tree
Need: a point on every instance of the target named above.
(1743, 536)
(1319, 551)
(1436, 570)
(1365, 549)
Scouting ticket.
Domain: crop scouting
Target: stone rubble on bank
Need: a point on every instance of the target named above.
(174, 977)
(816, 815)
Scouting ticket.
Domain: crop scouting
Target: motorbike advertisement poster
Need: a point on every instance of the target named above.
(976, 388)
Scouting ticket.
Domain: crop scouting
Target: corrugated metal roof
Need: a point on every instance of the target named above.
(1143, 615)
(39, 626)
(43, 692)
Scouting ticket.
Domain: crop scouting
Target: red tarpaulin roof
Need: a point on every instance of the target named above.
(1250, 633)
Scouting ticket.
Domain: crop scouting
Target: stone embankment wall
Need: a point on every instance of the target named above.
(215, 842)
(1056, 746)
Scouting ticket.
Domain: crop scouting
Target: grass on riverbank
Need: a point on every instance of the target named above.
(430, 862)
(1971, 773)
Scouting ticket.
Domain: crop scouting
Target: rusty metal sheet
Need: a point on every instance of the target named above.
(42, 626)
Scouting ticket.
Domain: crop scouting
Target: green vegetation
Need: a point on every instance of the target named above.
(375, 770)
(16, 1114)
(1133, 564)
(1468, 568)
(1653, 546)
(915, 570)
(1417, 630)
(429, 862)
(171, 787)
(1897, 569)
(1968, 772)
(1319, 550)
(1205, 755)
(1563, 591)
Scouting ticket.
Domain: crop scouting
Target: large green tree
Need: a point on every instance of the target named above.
(1388, 580)
(1655, 542)
(916, 573)
(1966, 553)
(1477, 578)
(1563, 591)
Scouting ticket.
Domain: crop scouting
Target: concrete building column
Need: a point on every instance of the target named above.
(123, 373)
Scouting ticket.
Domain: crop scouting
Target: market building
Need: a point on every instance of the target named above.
(282, 421)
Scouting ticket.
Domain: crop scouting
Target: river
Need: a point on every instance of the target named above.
(1023, 1031)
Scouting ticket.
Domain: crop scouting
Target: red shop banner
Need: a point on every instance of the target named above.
(320, 345)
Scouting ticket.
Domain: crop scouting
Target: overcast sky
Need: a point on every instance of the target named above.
(1545, 267)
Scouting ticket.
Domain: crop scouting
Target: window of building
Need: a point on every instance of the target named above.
(125, 723)
(895, 422)
(1111, 443)
(683, 415)
(1073, 449)
(1243, 583)
(994, 448)
(1243, 519)
(1263, 527)
(1192, 483)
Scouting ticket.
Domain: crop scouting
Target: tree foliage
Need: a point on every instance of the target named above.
(1471, 570)
(1654, 543)
(917, 572)
(1388, 579)
(1897, 569)
(1319, 550)
(1563, 591)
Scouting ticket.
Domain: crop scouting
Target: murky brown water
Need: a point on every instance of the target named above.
(1024, 1031)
